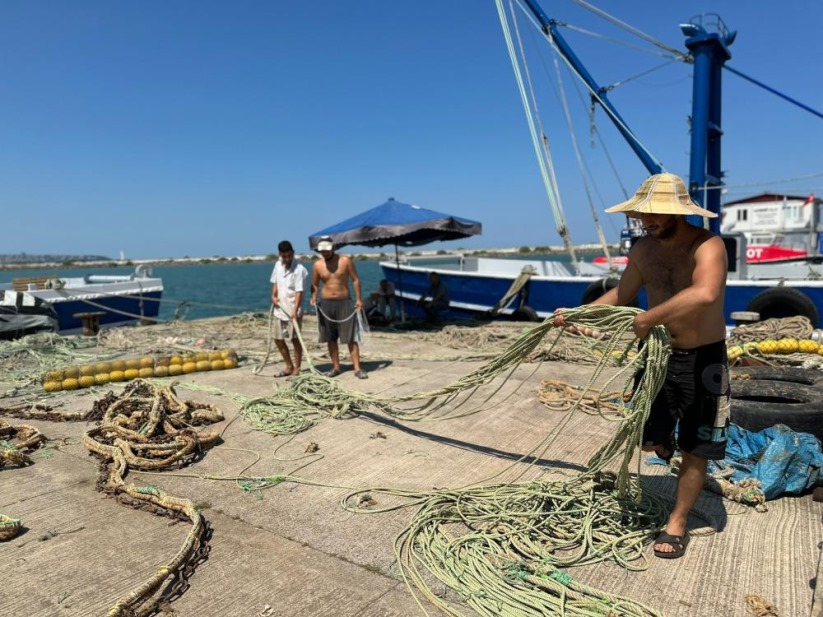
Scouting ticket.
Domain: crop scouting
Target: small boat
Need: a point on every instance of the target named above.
(95, 300)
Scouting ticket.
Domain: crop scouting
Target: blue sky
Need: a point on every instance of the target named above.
(171, 129)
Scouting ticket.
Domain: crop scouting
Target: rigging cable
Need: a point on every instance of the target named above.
(631, 29)
(773, 91)
(595, 94)
(551, 192)
(580, 163)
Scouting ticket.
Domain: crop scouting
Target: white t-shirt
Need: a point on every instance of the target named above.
(288, 282)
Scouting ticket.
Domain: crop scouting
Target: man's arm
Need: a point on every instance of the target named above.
(315, 282)
(355, 279)
(300, 286)
(708, 280)
(274, 294)
(627, 288)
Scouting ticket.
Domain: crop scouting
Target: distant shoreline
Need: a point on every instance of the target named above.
(523, 251)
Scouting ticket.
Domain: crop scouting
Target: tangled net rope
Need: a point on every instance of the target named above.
(148, 428)
(798, 327)
(560, 396)
(502, 547)
(15, 444)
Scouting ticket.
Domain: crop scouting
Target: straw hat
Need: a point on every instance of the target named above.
(661, 194)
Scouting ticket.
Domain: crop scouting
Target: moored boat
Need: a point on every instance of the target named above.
(107, 300)
(771, 288)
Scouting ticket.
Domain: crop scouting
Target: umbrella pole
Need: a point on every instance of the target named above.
(399, 285)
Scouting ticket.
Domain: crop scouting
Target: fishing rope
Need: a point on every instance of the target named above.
(798, 327)
(502, 548)
(16, 442)
(269, 340)
(148, 428)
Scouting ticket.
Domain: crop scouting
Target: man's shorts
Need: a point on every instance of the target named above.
(284, 328)
(696, 394)
(336, 320)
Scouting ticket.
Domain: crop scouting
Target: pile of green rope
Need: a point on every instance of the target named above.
(502, 547)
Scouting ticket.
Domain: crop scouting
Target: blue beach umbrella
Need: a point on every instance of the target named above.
(400, 224)
(397, 223)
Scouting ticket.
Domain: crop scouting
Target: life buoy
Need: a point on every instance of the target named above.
(525, 313)
(784, 302)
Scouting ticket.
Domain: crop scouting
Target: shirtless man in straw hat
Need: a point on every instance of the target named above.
(683, 269)
(336, 314)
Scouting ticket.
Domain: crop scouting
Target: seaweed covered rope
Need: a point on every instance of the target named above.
(148, 428)
(504, 549)
(15, 444)
(310, 397)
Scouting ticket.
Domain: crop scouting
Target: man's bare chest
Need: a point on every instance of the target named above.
(667, 276)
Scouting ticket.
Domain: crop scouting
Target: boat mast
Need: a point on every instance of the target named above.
(710, 51)
(549, 27)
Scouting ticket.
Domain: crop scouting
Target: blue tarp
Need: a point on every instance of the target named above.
(784, 461)
(397, 223)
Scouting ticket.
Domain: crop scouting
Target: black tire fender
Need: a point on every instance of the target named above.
(597, 289)
(784, 302)
(525, 313)
(805, 376)
(761, 403)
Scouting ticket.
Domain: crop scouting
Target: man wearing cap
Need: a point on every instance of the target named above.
(288, 288)
(336, 314)
(683, 269)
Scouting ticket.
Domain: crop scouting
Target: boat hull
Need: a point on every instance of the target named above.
(120, 300)
(474, 292)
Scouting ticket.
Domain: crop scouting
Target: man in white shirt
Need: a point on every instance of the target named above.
(287, 291)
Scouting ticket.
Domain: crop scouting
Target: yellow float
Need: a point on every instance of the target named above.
(102, 373)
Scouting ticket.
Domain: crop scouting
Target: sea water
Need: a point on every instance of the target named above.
(196, 291)
(216, 289)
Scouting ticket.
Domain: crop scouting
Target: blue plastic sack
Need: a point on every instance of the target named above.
(783, 460)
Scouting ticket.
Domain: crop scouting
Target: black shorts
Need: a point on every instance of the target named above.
(696, 395)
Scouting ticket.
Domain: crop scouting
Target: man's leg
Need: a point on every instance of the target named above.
(298, 356)
(284, 351)
(354, 351)
(689, 484)
(334, 354)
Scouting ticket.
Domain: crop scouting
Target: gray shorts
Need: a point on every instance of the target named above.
(284, 328)
(336, 320)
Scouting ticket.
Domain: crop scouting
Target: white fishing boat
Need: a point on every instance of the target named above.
(83, 302)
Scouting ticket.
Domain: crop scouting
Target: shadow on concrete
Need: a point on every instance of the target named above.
(471, 447)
